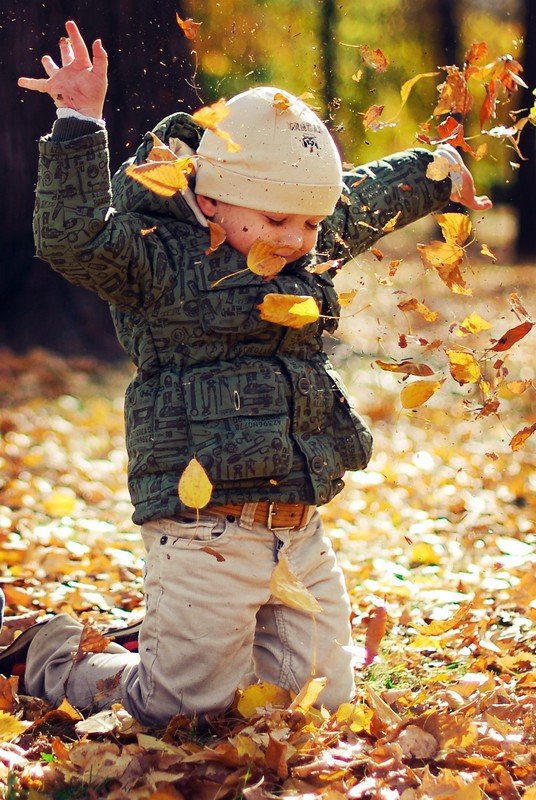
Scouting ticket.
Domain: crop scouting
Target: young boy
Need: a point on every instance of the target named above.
(257, 403)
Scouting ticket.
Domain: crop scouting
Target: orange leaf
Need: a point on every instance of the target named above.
(91, 641)
(195, 488)
(165, 179)
(373, 58)
(188, 27)
(371, 115)
(209, 117)
(280, 101)
(418, 392)
(476, 52)
(451, 131)
(420, 308)
(455, 227)
(407, 367)
(518, 440)
(390, 225)
(454, 96)
(217, 236)
(437, 627)
(445, 258)
(512, 336)
(376, 627)
(290, 310)
(262, 259)
(463, 367)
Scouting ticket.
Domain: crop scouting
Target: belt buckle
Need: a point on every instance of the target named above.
(270, 517)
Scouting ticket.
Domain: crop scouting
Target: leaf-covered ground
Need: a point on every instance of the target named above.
(437, 540)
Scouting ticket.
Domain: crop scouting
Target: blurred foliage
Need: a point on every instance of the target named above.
(280, 42)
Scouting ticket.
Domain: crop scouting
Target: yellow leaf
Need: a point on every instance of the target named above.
(485, 251)
(280, 101)
(345, 298)
(287, 588)
(61, 503)
(408, 86)
(437, 627)
(445, 258)
(188, 27)
(357, 75)
(408, 367)
(438, 169)
(474, 323)
(308, 695)
(391, 224)
(259, 696)
(10, 727)
(70, 711)
(420, 308)
(455, 227)
(511, 389)
(160, 151)
(418, 392)
(163, 178)
(424, 553)
(209, 117)
(464, 368)
(293, 311)
(357, 718)
(195, 488)
(217, 236)
(262, 259)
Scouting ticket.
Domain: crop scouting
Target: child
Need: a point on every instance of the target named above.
(257, 403)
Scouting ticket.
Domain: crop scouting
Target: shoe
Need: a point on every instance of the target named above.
(13, 657)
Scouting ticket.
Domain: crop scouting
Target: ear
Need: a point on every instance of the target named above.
(207, 205)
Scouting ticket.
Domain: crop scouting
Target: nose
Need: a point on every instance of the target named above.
(291, 240)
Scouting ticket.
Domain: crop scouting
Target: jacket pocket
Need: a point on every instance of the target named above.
(352, 436)
(238, 420)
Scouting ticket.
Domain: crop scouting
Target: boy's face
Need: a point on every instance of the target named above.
(293, 235)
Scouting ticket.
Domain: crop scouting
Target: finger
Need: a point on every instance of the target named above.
(34, 84)
(49, 65)
(66, 51)
(79, 46)
(100, 59)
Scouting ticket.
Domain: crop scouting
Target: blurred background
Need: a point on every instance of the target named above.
(301, 45)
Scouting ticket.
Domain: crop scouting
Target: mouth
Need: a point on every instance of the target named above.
(287, 252)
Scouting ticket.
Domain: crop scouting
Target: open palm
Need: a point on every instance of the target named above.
(79, 83)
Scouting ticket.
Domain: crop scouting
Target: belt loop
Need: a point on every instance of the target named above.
(247, 516)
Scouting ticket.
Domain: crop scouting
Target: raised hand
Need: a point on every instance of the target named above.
(79, 83)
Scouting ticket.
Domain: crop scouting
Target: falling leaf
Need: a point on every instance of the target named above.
(418, 392)
(425, 553)
(438, 169)
(262, 259)
(391, 224)
(407, 367)
(376, 253)
(408, 86)
(91, 641)
(280, 101)
(188, 27)
(476, 52)
(147, 231)
(474, 323)
(463, 367)
(325, 266)
(512, 336)
(308, 695)
(345, 298)
(259, 696)
(455, 227)
(445, 258)
(209, 117)
(371, 115)
(451, 131)
(518, 307)
(290, 310)
(287, 588)
(195, 488)
(10, 727)
(454, 96)
(163, 178)
(373, 58)
(518, 440)
(414, 305)
(376, 627)
(160, 151)
(217, 237)
(357, 75)
(511, 389)
(485, 251)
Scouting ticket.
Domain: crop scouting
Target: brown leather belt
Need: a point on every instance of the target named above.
(292, 516)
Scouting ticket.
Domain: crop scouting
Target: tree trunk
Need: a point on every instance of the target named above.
(327, 43)
(525, 196)
(150, 76)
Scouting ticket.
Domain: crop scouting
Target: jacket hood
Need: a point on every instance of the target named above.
(129, 195)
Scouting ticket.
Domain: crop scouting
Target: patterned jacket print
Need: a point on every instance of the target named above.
(258, 404)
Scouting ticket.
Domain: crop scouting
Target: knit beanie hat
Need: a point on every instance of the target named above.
(287, 162)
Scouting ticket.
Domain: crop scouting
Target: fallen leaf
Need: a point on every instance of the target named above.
(10, 727)
(376, 627)
(91, 641)
(259, 696)
(308, 695)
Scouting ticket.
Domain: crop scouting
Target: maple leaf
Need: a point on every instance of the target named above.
(194, 488)
(476, 52)
(262, 259)
(188, 27)
(454, 96)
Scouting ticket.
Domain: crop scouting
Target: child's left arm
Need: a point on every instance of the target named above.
(396, 186)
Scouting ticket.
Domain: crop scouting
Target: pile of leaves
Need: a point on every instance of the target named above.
(437, 542)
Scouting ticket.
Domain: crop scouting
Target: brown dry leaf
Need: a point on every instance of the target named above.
(163, 178)
(188, 27)
(377, 253)
(195, 488)
(292, 311)
(262, 259)
(512, 336)
(415, 394)
(407, 367)
(325, 266)
(474, 323)
(438, 169)
(376, 627)
(212, 552)
(373, 58)
(217, 237)
(308, 695)
(455, 227)
(420, 308)
(476, 52)
(518, 440)
(91, 641)
(437, 627)
(8, 693)
(454, 96)
(464, 368)
(390, 225)
(287, 588)
(371, 116)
